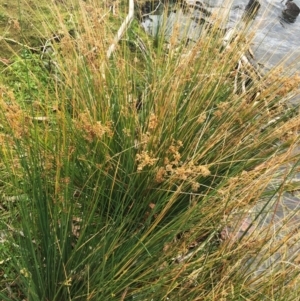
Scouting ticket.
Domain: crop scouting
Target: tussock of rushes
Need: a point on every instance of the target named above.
(154, 155)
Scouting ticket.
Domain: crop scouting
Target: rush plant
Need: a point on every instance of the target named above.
(149, 175)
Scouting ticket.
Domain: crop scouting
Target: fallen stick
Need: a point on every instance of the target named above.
(122, 29)
(34, 49)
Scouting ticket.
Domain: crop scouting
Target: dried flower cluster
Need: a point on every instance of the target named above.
(201, 118)
(92, 129)
(16, 119)
(152, 122)
(177, 171)
(145, 159)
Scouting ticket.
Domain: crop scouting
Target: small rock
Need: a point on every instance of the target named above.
(291, 10)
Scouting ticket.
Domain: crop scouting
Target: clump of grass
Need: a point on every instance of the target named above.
(125, 176)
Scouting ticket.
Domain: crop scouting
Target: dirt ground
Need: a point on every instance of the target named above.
(30, 23)
(33, 22)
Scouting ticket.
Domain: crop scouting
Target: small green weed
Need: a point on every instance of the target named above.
(27, 77)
